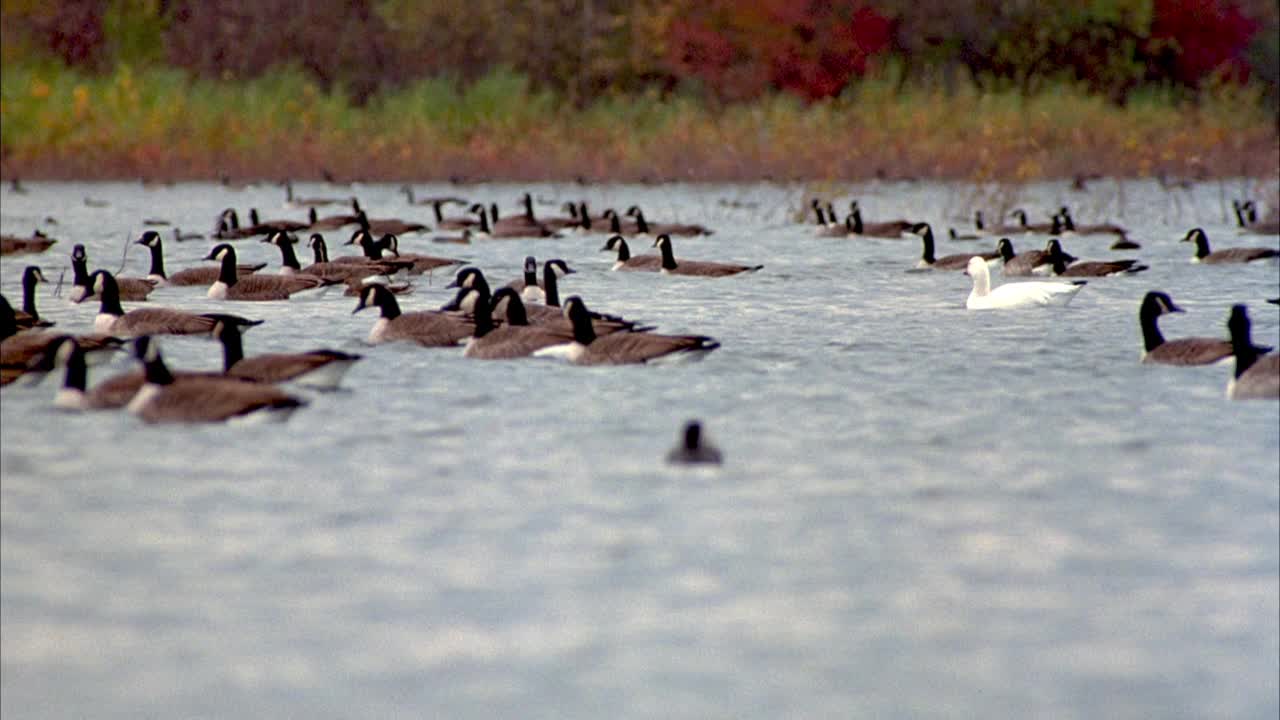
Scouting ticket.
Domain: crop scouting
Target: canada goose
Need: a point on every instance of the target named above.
(263, 227)
(427, 328)
(19, 347)
(230, 286)
(113, 320)
(463, 239)
(356, 286)
(1183, 351)
(891, 229)
(340, 272)
(1125, 244)
(442, 222)
(949, 262)
(694, 448)
(393, 226)
(840, 229)
(1023, 264)
(616, 225)
(14, 245)
(130, 289)
(962, 236)
(372, 250)
(820, 215)
(486, 229)
(1094, 268)
(298, 202)
(1050, 227)
(419, 264)
(1256, 376)
(179, 236)
(588, 348)
(491, 342)
(112, 393)
(188, 276)
(1247, 216)
(1069, 225)
(530, 289)
(1229, 255)
(696, 267)
(227, 227)
(322, 369)
(29, 316)
(1014, 295)
(643, 227)
(331, 222)
(549, 312)
(625, 261)
(163, 398)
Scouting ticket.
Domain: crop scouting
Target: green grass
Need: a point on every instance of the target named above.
(154, 122)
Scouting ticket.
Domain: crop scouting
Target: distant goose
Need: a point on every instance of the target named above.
(1014, 295)
(1050, 227)
(530, 289)
(1125, 244)
(321, 369)
(1256, 376)
(130, 289)
(949, 262)
(392, 226)
(1229, 255)
(419, 263)
(1183, 351)
(187, 276)
(1269, 226)
(14, 245)
(263, 227)
(339, 272)
(372, 252)
(643, 227)
(962, 236)
(463, 239)
(18, 347)
(290, 200)
(890, 229)
(333, 222)
(1031, 262)
(693, 448)
(356, 286)
(426, 328)
(179, 236)
(1059, 260)
(228, 227)
(230, 286)
(164, 398)
(511, 340)
(548, 313)
(486, 229)
(588, 348)
(700, 268)
(448, 223)
(617, 226)
(625, 261)
(113, 320)
(820, 215)
(1069, 225)
(29, 316)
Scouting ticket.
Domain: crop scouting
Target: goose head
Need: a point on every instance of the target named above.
(221, 251)
(1156, 303)
(102, 282)
(1005, 247)
(558, 267)
(614, 244)
(316, 241)
(507, 303)
(465, 300)
(468, 277)
(78, 253)
(1021, 215)
(377, 295)
(150, 239)
(663, 241)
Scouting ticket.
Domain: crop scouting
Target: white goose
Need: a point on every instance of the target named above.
(1014, 295)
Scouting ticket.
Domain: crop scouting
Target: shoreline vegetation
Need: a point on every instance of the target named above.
(163, 124)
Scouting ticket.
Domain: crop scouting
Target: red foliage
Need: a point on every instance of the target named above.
(1210, 37)
(812, 48)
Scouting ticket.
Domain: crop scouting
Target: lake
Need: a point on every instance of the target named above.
(923, 512)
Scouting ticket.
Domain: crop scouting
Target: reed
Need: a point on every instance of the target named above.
(57, 122)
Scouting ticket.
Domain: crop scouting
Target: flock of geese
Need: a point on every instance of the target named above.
(525, 317)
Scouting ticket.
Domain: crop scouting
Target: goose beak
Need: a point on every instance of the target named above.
(1175, 308)
(359, 306)
(210, 256)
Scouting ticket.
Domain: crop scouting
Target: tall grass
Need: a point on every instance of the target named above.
(58, 122)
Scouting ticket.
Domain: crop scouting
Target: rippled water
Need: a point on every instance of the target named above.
(925, 512)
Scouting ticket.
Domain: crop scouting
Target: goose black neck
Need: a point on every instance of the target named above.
(530, 274)
(550, 285)
(388, 303)
(584, 217)
(157, 260)
(110, 297)
(642, 225)
(482, 315)
(583, 332)
(232, 346)
(528, 208)
(254, 220)
(692, 436)
(856, 215)
(156, 372)
(927, 238)
(624, 252)
(817, 210)
(372, 248)
(484, 222)
(8, 323)
(77, 377)
(615, 224)
(312, 216)
(1202, 245)
(1057, 225)
(1239, 211)
(1241, 342)
(1147, 314)
(227, 273)
(435, 206)
(493, 212)
(668, 255)
(1059, 262)
(288, 257)
(516, 314)
(977, 220)
(80, 271)
(319, 249)
(1067, 222)
(29, 281)
(1006, 251)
